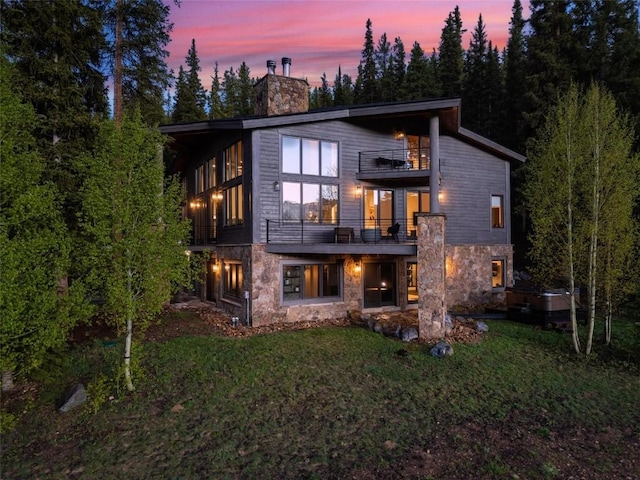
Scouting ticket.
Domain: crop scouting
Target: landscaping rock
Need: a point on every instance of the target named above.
(75, 397)
(409, 334)
(441, 349)
(482, 327)
(448, 324)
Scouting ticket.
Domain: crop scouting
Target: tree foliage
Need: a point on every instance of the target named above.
(581, 184)
(134, 238)
(36, 306)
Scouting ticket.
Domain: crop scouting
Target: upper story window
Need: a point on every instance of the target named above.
(418, 151)
(200, 179)
(211, 175)
(232, 161)
(304, 156)
(497, 211)
(311, 202)
(233, 212)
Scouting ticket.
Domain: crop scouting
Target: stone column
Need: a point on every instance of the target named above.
(431, 276)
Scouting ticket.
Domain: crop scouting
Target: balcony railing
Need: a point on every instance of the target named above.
(358, 230)
(411, 159)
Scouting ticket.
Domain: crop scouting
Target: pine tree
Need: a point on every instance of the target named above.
(216, 109)
(191, 97)
(246, 95)
(550, 68)
(342, 89)
(366, 82)
(399, 70)
(325, 98)
(451, 59)
(384, 67)
(475, 79)
(56, 49)
(144, 29)
(420, 84)
(515, 85)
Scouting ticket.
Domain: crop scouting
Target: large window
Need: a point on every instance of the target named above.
(310, 201)
(378, 209)
(309, 157)
(211, 176)
(233, 205)
(497, 211)
(200, 179)
(417, 202)
(232, 276)
(310, 281)
(418, 154)
(233, 161)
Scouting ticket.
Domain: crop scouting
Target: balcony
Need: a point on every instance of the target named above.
(410, 166)
(349, 236)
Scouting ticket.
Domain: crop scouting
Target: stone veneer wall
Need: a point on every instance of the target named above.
(432, 307)
(278, 95)
(469, 273)
(265, 296)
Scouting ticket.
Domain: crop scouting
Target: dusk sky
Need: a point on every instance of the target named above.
(318, 35)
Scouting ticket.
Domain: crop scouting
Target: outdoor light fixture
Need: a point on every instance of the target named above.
(276, 186)
(357, 268)
(358, 190)
(399, 135)
(227, 267)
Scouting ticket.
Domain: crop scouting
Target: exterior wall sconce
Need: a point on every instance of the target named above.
(226, 267)
(399, 135)
(440, 196)
(358, 190)
(215, 267)
(276, 186)
(218, 195)
(357, 268)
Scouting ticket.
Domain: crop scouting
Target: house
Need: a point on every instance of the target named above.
(311, 214)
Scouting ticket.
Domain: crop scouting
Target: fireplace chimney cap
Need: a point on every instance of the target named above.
(286, 66)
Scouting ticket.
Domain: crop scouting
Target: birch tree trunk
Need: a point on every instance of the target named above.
(129, 333)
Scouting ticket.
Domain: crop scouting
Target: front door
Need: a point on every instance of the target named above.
(379, 284)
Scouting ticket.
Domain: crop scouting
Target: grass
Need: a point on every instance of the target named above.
(319, 403)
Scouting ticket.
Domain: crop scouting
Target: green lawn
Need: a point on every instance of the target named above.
(334, 403)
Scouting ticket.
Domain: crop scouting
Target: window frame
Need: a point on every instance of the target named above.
(232, 280)
(319, 167)
(501, 221)
(290, 282)
(502, 274)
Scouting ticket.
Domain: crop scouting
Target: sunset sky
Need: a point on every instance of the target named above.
(318, 35)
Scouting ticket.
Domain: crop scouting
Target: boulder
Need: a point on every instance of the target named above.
(409, 334)
(441, 349)
(74, 398)
(482, 327)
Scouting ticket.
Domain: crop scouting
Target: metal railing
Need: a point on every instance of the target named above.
(395, 160)
(356, 230)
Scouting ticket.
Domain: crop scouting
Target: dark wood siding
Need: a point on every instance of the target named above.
(469, 178)
(351, 141)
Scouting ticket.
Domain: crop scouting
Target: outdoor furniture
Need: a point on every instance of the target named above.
(392, 231)
(371, 235)
(343, 234)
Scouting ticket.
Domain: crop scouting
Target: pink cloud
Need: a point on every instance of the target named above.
(319, 35)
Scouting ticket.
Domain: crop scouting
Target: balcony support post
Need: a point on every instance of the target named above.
(434, 178)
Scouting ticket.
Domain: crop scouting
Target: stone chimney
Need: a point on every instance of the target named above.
(280, 94)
